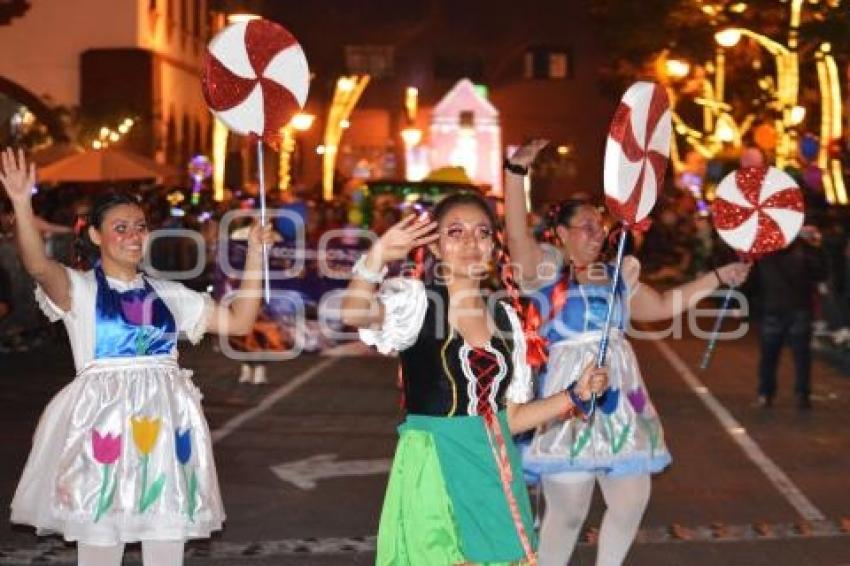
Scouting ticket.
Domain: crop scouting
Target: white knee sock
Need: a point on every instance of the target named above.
(162, 552)
(90, 555)
(567, 504)
(626, 499)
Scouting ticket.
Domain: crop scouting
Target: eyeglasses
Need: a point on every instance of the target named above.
(590, 228)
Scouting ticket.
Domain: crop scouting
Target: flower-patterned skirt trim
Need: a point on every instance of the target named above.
(123, 453)
(626, 437)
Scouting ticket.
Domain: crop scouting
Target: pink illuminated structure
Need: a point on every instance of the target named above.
(465, 132)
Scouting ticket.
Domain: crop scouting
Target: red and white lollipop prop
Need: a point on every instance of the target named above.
(255, 79)
(636, 153)
(757, 211)
(635, 162)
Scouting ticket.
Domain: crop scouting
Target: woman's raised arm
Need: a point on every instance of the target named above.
(18, 179)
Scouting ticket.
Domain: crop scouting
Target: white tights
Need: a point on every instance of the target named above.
(567, 505)
(154, 553)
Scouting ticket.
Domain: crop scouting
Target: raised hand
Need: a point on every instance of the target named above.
(526, 154)
(17, 178)
(733, 274)
(411, 232)
(260, 235)
(593, 380)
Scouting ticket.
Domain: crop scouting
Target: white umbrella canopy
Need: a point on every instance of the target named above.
(96, 166)
(54, 152)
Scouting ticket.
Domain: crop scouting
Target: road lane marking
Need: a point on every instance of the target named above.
(739, 435)
(270, 400)
(306, 472)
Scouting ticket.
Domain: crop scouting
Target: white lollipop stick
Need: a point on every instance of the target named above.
(261, 176)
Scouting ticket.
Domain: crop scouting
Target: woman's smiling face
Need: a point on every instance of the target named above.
(122, 235)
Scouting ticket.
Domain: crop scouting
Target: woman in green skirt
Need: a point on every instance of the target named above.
(456, 493)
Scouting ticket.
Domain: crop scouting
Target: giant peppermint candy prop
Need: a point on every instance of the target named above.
(636, 152)
(255, 78)
(758, 210)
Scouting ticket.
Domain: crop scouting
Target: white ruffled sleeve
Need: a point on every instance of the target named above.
(76, 281)
(192, 310)
(405, 303)
(521, 387)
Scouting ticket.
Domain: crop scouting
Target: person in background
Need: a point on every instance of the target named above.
(265, 334)
(786, 282)
(623, 445)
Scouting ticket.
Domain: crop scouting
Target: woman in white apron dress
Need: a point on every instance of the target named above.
(122, 453)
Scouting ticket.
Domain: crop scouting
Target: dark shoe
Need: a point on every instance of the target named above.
(764, 402)
(804, 403)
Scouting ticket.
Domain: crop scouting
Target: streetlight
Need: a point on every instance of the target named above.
(302, 121)
(787, 86)
(728, 37)
(797, 115)
(241, 17)
(676, 68)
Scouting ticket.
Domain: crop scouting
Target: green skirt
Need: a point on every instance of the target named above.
(445, 503)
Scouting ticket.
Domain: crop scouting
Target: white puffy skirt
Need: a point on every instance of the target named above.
(122, 454)
(625, 437)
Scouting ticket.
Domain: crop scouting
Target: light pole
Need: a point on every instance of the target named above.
(786, 92)
(301, 122)
(830, 126)
(346, 95)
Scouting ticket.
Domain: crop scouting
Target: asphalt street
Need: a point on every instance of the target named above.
(303, 460)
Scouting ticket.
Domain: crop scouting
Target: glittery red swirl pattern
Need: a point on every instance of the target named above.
(728, 216)
(749, 181)
(636, 150)
(769, 236)
(264, 40)
(224, 90)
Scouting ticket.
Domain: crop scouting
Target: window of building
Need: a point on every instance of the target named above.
(456, 66)
(373, 60)
(547, 63)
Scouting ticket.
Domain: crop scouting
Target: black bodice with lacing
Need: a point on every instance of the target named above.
(444, 376)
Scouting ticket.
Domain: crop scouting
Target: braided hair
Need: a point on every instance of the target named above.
(503, 272)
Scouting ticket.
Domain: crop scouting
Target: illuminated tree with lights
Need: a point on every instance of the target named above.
(739, 69)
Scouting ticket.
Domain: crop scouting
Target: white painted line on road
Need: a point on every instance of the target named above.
(739, 434)
(305, 473)
(269, 401)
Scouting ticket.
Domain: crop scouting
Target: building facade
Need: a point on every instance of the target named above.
(84, 65)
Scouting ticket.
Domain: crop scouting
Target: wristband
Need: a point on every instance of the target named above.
(583, 407)
(515, 168)
(360, 270)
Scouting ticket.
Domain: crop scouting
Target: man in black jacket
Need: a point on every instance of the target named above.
(787, 281)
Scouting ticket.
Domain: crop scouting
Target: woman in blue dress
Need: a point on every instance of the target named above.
(624, 443)
(122, 453)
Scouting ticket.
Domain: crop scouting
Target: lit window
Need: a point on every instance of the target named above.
(547, 63)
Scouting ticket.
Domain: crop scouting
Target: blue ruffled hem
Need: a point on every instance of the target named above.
(534, 468)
